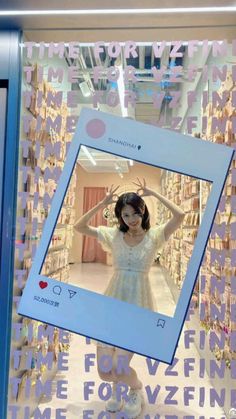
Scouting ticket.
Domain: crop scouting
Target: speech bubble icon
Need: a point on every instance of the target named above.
(161, 322)
(57, 289)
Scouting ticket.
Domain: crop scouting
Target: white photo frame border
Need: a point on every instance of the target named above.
(107, 319)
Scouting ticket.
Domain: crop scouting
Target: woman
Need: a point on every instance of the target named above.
(133, 245)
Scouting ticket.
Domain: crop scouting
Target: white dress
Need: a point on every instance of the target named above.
(130, 281)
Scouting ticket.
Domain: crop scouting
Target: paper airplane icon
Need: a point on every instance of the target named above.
(72, 293)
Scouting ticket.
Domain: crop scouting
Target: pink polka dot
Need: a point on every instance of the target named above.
(95, 128)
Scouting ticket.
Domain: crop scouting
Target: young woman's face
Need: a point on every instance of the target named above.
(131, 218)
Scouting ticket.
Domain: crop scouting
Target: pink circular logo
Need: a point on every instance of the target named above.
(95, 128)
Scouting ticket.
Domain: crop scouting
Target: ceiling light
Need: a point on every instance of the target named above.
(85, 89)
(88, 154)
(121, 90)
(169, 10)
(139, 44)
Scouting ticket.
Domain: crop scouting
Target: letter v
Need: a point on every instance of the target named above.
(152, 368)
(152, 396)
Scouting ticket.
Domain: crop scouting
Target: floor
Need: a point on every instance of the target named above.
(89, 276)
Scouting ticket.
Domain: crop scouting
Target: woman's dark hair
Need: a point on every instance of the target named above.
(138, 204)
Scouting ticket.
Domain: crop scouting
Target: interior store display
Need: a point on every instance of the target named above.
(42, 158)
(44, 144)
(221, 240)
(193, 194)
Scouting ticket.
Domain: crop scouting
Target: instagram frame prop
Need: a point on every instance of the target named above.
(104, 318)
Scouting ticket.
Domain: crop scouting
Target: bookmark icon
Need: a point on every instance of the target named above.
(161, 322)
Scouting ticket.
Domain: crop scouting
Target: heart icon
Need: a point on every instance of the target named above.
(43, 284)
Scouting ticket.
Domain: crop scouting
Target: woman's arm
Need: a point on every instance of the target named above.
(81, 225)
(178, 213)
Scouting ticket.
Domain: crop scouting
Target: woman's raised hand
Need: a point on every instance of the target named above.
(142, 188)
(111, 197)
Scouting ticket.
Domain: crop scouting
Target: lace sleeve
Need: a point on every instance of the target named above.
(106, 237)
